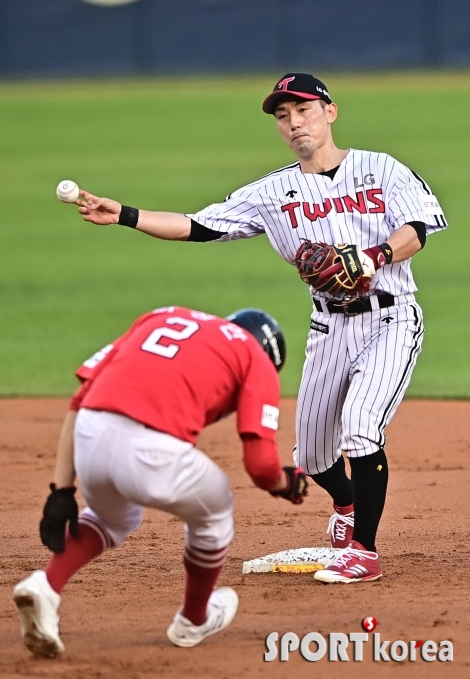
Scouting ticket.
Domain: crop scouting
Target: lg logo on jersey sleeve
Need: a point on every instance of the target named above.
(270, 417)
(431, 205)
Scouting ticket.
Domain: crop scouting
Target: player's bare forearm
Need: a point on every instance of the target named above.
(105, 211)
(404, 243)
(166, 225)
(64, 476)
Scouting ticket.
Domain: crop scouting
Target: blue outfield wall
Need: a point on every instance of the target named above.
(60, 38)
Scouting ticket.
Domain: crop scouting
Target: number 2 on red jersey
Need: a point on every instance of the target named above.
(152, 343)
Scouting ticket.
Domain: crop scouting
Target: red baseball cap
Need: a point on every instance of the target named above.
(302, 85)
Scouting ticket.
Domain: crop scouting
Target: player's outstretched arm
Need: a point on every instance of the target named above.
(166, 225)
(104, 211)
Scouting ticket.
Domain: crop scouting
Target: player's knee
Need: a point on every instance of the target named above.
(209, 517)
(216, 532)
(376, 457)
(113, 532)
(356, 445)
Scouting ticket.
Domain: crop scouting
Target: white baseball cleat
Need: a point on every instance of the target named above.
(37, 604)
(221, 610)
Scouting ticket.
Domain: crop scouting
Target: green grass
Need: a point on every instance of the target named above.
(67, 288)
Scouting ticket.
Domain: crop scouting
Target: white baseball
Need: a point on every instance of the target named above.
(68, 191)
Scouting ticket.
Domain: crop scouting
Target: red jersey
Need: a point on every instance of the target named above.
(178, 370)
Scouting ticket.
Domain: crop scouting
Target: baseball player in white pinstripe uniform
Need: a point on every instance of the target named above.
(359, 356)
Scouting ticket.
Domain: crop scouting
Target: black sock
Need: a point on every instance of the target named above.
(336, 483)
(369, 477)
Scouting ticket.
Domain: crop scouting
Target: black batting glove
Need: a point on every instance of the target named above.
(61, 507)
(297, 486)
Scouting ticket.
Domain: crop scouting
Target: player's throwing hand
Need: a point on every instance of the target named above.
(98, 210)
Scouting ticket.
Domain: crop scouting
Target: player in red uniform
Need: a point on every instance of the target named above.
(129, 437)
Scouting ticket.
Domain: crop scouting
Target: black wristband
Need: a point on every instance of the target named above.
(129, 216)
(387, 252)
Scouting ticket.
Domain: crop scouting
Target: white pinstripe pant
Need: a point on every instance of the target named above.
(354, 377)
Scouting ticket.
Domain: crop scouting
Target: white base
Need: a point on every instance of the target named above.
(303, 560)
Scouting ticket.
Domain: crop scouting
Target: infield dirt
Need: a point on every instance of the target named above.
(115, 611)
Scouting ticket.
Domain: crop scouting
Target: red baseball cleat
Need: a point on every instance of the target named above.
(354, 564)
(341, 526)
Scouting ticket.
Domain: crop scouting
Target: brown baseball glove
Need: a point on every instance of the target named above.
(341, 270)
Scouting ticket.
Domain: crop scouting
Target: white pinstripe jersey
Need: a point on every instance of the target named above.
(370, 196)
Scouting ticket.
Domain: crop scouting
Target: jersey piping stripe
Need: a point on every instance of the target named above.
(408, 368)
(422, 182)
(406, 373)
(281, 169)
(270, 174)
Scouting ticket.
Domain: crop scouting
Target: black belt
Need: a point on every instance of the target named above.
(358, 306)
